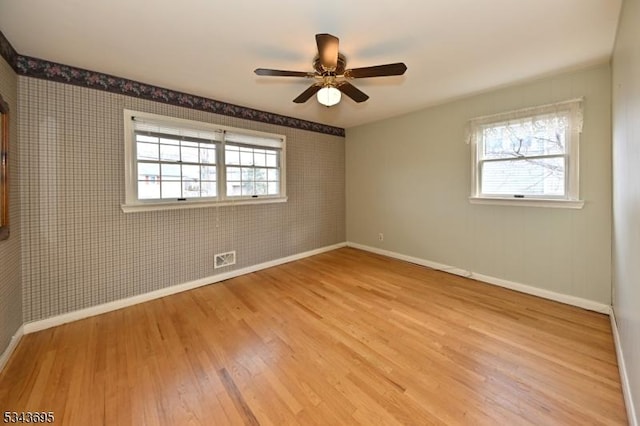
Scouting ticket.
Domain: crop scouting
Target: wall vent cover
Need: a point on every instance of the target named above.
(224, 259)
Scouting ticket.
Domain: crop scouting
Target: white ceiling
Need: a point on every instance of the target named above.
(210, 48)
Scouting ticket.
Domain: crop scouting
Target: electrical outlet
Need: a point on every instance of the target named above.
(380, 236)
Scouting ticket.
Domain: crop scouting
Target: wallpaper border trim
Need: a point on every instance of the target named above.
(8, 52)
(52, 71)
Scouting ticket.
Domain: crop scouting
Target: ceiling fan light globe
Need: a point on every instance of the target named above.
(329, 96)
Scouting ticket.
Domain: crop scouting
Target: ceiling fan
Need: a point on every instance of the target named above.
(331, 74)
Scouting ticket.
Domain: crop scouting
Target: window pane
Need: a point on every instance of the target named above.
(233, 173)
(208, 189)
(524, 177)
(260, 174)
(246, 157)
(207, 156)
(147, 151)
(254, 176)
(261, 188)
(190, 172)
(189, 155)
(169, 141)
(247, 174)
(148, 171)
(169, 153)
(248, 188)
(208, 173)
(148, 190)
(542, 136)
(272, 159)
(260, 158)
(171, 190)
(232, 155)
(190, 188)
(233, 189)
(273, 188)
(170, 171)
(273, 174)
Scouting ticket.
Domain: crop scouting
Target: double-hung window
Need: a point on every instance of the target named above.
(175, 163)
(528, 157)
(251, 170)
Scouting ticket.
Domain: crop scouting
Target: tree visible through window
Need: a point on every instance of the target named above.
(530, 153)
(251, 171)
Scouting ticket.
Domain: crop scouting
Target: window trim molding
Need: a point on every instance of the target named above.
(572, 197)
(133, 204)
(528, 202)
(155, 206)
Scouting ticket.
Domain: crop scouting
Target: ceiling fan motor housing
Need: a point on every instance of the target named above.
(342, 65)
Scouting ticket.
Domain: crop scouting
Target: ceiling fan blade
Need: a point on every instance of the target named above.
(352, 91)
(307, 94)
(377, 71)
(328, 51)
(279, 73)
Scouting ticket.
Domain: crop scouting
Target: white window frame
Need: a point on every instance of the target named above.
(573, 109)
(266, 140)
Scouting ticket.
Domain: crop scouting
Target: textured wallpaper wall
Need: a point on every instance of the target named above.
(10, 289)
(80, 249)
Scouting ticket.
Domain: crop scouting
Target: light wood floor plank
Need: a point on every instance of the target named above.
(345, 337)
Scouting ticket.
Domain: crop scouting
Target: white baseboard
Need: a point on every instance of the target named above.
(34, 326)
(624, 377)
(13, 343)
(546, 294)
(523, 288)
(411, 259)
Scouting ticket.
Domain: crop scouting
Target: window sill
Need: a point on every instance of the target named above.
(147, 207)
(528, 202)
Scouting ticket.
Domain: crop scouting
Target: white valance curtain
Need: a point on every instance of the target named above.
(570, 110)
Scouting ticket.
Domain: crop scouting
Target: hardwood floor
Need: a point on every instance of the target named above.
(345, 337)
